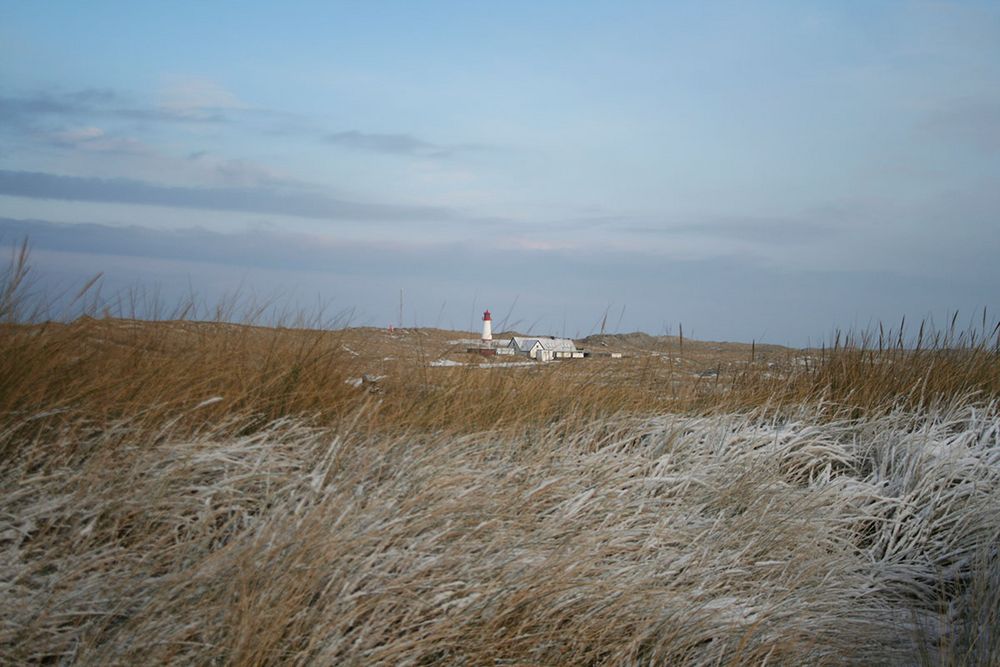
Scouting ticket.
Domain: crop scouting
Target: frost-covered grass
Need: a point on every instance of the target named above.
(733, 538)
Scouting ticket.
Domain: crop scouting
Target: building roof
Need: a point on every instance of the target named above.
(547, 343)
(522, 343)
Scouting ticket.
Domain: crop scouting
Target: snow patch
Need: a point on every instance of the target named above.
(445, 362)
(508, 364)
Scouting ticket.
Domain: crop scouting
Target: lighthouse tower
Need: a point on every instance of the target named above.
(487, 327)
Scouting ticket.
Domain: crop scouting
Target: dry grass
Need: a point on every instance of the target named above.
(869, 374)
(204, 492)
(244, 376)
(664, 540)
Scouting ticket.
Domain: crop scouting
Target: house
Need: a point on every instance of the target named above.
(545, 348)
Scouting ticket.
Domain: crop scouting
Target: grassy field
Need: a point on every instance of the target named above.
(214, 493)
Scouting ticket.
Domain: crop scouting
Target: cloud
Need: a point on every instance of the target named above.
(239, 199)
(54, 115)
(31, 111)
(381, 143)
(771, 231)
(18, 113)
(395, 144)
(240, 172)
(86, 100)
(198, 93)
(73, 120)
(257, 248)
(97, 140)
(78, 135)
(974, 121)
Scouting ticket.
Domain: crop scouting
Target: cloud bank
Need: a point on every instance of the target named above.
(38, 185)
(444, 283)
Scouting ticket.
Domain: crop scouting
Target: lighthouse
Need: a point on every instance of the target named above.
(487, 327)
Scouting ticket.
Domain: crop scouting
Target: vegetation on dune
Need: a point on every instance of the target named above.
(208, 492)
(665, 540)
(210, 374)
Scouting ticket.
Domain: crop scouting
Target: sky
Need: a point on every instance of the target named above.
(767, 171)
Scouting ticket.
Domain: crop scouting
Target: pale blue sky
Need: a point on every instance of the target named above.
(753, 170)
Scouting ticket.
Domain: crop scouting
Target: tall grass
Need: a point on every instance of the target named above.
(213, 492)
(871, 371)
(666, 540)
(247, 376)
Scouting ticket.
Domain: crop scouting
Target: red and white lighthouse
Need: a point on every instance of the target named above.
(487, 327)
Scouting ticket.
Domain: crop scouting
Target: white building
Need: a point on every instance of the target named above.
(545, 348)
